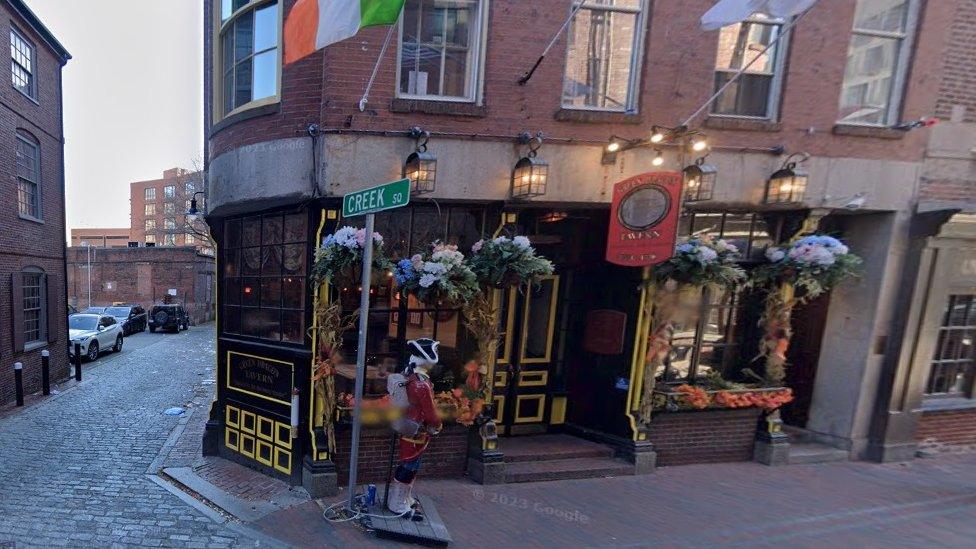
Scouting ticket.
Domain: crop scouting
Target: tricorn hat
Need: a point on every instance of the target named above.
(424, 348)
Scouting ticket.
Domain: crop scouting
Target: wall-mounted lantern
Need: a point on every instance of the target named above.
(531, 174)
(788, 185)
(421, 166)
(699, 181)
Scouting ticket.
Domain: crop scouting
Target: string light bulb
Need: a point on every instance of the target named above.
(657, 136)
(658, 158)
(699, 144)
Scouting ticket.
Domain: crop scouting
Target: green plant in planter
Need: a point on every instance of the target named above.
(339, 260)
(503, 262)
(440, 278)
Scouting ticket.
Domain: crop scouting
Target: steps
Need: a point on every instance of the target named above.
(559, 457)
(805, 449)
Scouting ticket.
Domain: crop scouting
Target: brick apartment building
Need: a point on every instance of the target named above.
(291, 140)
(143, 276)
(32, 227)
(100, 238)
(158, 210)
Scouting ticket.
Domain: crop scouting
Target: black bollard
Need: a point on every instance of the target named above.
(77, 361)
(46, 372)
(19, 382)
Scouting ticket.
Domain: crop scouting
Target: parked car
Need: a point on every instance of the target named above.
(72, 309)
(95, 333)
(132, 318)
(168, 316)
(95, 310)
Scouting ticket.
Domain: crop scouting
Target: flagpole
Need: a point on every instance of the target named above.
(735, 78)
(525, 77)
(376, 67)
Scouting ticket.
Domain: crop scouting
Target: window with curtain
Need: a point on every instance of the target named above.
(35, 306)
(22, 67)
(440, 49)
(28, 175)
(877, 61)
(248, 44)
(264, 268)
(756, 93)
(954, 362)
(604, 45)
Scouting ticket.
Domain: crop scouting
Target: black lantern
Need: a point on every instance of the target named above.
(788, 184)
(421, 166)
(699, 181)
(531, 175)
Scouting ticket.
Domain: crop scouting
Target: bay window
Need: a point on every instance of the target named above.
(441, 49)
(756, 93)
(247, 54)
(953, 367)
(605, 42)
(877, 61)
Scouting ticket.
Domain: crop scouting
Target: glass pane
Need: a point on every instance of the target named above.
(881, 15)
(628, 4)
(270, 293)
(266, 28)
(232, 234)
(251, 261)
(250, 291)
(428, 227)
(242, 83)
(232, 291)
(598, 64)
(244, 36)
(295, 228)
(225, 9)
(292, 326)
(293, 290)
(251, 231)
(232, 263)
(231, 320)
(959, 310)
(870, 73)
(272, 229)
(749, 96)
(465, 228)
(271, 260)
(736, 230)
(538, 322)
(743, 43)
(707, 223)
(294, 259)
(265, 75)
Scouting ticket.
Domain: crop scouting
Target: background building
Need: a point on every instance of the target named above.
(32, 226)
(100, 238)
(159, 206)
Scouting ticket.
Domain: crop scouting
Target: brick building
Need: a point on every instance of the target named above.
(158, 210)
(291, 140)
(143, 276)
(32, 227)
(100, 238)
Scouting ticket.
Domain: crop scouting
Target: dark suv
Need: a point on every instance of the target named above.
(132, 318)
(169, 316)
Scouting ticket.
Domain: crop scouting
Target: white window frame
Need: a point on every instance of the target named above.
(779, 73)
(150, 239)
(149, 209)
(897, 92)
(169, 224)
(217, 76)
(42, 307)
(32, 70)
(476, 72)
(150, 193)
(150, 225)
(169, 191)
(636, 59)
(36, 145)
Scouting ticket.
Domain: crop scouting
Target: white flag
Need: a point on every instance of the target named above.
(728, 12)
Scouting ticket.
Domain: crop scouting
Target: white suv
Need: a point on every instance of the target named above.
(95, 333)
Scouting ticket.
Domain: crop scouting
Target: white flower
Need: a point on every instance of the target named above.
(427, 280)
(477, 246)
(819, 256)
(500, 239)
(775, 254)
(417, 261)
(839, 249)
(434, 268)
(522, 242)
(707, 255)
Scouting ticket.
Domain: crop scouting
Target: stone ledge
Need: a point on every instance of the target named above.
(453, 108)
(742, 124)
(597, 117)
(879, 132)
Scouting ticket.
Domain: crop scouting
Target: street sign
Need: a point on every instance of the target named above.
(387, 196)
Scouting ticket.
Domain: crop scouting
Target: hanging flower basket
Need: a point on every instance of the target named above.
(340, 258)
(701, 261)
(440, 278)
(505, 262)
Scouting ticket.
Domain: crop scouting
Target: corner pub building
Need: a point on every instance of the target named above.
(284, 143)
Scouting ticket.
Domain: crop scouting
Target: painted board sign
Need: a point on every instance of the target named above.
(261, 377)
(644, 219)
(604, 333)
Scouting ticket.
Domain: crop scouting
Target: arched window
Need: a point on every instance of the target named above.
(28, 175)
(248, 54)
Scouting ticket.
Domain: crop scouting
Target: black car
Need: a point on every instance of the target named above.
(168, 316)
(132, 318)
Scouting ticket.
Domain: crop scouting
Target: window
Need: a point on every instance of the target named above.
(35, 306)
(189, 187)
(150, 239)
(169, 191)
(264, 268)
(954, 361)
(169, 223)
(756, 93)
(441, 49)
(150, 209)
(28, 176)
(22, 65)
(877, 60)
(603, 55)
(189, 239)
(249, 57)
(150, 193)
(169, 208)
(150, 225)
(169, 240)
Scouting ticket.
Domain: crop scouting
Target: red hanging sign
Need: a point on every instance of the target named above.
(644, 219)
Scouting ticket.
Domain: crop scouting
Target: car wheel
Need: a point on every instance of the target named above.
(92, 351)
(118, 344)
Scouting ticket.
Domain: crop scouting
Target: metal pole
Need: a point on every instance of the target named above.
(376, 67)
(19, 382)
(77, 361)
(361, 357)
(525, 77)
(46, 372)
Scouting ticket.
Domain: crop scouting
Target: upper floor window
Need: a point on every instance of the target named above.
(151, 193)
(28, 176)
(22, 65)
(249, 58)
(189, 239)
(150, 209)
(150, 225)
(169, 208)
(169, 240)
(604, 55)
(189, 187)
(169, 223)
(756, 93)
(169, 191)
(877, 61)
(953, 370)
(441, 49)
(150, 239)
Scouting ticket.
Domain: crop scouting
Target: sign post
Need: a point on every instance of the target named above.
(367, 202)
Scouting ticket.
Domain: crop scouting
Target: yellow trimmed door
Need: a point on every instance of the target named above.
(526, 356)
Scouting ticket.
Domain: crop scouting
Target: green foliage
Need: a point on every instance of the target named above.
(702, 261)
(503, 262)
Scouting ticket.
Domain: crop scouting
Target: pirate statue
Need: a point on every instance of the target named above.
(413, 393)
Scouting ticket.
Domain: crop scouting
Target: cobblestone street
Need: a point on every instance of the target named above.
(75, 469)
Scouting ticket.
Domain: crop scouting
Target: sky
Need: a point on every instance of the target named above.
(133, 93)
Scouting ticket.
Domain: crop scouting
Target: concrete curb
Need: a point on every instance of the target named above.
(246, 511)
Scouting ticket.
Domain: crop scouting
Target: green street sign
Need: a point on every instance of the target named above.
(387, 196)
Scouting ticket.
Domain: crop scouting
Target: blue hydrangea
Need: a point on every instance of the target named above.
(404, 272)
(685, 248)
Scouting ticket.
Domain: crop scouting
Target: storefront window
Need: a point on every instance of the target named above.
(954, 361)
(264, 269)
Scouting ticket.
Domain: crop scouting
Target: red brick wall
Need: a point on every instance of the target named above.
(682, 438)
(445, 457)
(953, 428)
(677, 77)
(178, 178)
(23, 242)
(958, 84)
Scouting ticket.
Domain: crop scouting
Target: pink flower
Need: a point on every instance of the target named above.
(477, 246)
(361, 237)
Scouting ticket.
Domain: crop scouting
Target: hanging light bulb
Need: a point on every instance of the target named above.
(657, 135)
(658, 159)
(614, 145)
(699, 144)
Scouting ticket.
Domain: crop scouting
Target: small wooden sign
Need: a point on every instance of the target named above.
(604, 334)
(644, 219)
(261, 377)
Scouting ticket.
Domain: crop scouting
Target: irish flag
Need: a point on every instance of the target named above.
(314, 24)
